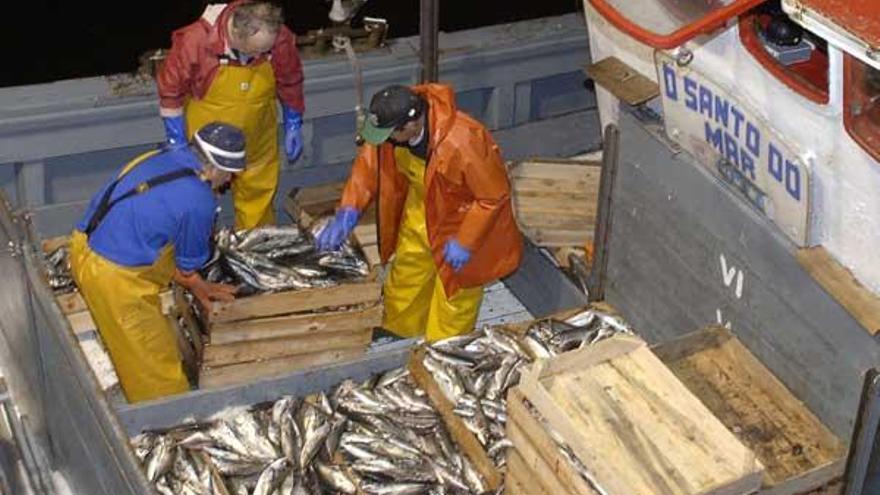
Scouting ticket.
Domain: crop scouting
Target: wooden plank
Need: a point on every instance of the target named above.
(187, 350)
(374, 259)
(639, 430)
(624, 82)
(513, 486)
(588, 357)
(588, 187)
(463, 437)
(296, 301)
(840, 284)
(534, 463)
(248, 372)
(53, 243)
(568, 207)
(577, 171)
(243, 352)
(318, 194)
(545, 405)
(365, 233)
(530, 482)
(296, 325)
(530, 438)
(71, 302)
(799, 453)
(531, 219)
(559, 238)
(191, 324)
(81, 322)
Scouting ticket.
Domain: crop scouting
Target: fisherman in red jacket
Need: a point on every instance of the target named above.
(230, 66)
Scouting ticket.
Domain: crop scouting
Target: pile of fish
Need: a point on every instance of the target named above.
(58, 268)
(382, 436)
(475, 371)
(277, 258)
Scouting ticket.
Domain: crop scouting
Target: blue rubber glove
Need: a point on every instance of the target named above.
(293, 138)
(455, 254)
(175, 131)
(338, 230)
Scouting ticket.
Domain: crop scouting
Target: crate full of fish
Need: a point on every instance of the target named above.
(467, 378)
(296, 307)
(612, 419)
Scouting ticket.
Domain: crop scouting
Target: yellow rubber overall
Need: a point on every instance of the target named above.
(245, 97)
(124, 302)
(415, 301)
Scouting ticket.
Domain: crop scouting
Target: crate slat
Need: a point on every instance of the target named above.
(635, 426)
(248, 372)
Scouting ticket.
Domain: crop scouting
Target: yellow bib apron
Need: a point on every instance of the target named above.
(124, 302)
(415, 301)
(245, 97)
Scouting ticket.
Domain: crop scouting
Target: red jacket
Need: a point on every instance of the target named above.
(467, 194)
(192, 62)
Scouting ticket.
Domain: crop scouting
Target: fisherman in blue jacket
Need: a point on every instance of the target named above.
(150, 224)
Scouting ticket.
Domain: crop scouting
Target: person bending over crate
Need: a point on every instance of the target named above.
(444, 209)
(151, 223)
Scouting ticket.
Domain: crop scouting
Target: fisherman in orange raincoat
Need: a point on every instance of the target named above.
(444, 209)
(231, 66)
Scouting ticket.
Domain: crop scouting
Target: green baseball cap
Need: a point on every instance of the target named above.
(390, 108)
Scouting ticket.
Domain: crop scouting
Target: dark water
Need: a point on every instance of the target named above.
(53, 39)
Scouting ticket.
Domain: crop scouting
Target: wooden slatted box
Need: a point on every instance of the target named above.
(633, 426)
(555, 200)
(268, 334)
(798, 451)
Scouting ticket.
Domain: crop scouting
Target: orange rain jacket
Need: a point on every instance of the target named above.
(467, 194)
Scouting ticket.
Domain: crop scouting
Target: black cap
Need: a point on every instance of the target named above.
(390, 108)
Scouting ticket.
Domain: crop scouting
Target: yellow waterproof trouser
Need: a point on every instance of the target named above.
(415, 301)
(125, 305)
(244, 96)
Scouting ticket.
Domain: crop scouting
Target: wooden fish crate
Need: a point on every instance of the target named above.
(268, 334)
(555, 201)
(798, 451)
(630, 423)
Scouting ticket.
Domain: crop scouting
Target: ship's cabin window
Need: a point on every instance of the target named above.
(861, 104)
(794, 55)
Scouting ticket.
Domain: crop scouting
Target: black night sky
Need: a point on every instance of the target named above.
(89, 38)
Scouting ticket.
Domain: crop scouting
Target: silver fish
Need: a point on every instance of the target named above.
(374, 488)
(161, 459)
(335, 478)
(315, 429)
(272, 477)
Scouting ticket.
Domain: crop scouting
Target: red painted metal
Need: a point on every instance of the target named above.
(707, 24)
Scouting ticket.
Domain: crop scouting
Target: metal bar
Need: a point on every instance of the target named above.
(862, 454)
(429, 26)
(602, 235)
